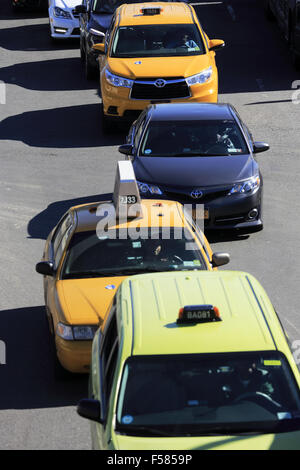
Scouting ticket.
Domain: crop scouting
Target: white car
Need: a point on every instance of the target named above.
(64, 23)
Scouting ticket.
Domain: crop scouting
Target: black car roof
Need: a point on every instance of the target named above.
(190, 111)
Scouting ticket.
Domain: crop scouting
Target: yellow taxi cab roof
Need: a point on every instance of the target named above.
(155, 213)
(249, 322)
(171, 12)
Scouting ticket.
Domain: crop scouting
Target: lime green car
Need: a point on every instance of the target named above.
(192, 360)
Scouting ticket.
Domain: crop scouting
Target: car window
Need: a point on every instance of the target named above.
(63, 225)
(188, 138)
(139, 131)
(157, 41)
(191, 394)
(125, 252)
(109, 353)
(108, 6)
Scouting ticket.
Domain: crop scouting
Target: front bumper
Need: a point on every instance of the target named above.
(64, 29)
(117, 102)
(225, 212)
(75, 356)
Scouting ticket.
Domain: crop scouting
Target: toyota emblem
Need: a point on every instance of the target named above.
(160, 83)
(196, 194)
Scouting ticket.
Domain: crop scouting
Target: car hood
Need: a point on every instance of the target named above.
(85, 301)
(100, 20)
(283, 441)
(66, 4)
(193, 171)
(159, 66)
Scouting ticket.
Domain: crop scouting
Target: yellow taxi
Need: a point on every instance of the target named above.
(192, 360)
(94, 247)
(153, 53)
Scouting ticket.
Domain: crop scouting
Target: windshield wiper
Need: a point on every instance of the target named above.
(144, 429)
(198, 154)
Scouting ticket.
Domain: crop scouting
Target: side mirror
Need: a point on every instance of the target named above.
(45, 267)
(90, 409)
(99, 47)
(219, 259)
(80, 9)
(215, 44)
(126, 149)
(259, 147)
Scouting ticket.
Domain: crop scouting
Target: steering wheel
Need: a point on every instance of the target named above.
(259, 396)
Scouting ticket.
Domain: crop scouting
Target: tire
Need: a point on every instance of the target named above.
(59, 372)
(296, 60)
(268, 12)
(90, 70)
(82, 53)
(106, 123)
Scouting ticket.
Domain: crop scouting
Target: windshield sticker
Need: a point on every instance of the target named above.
(196, 262)
(147, 151)
(284, 415)
(110, 287)
(136, 244)
(272, 363)
(127, 419)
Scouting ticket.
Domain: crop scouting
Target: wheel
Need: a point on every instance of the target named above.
(268, 12)
(106, 122)
(296, 60)
(82, 53)
(295, 56)
(90, 70)
(60, 373)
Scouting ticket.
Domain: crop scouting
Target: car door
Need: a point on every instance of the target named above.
(56, 249)
(101, 389)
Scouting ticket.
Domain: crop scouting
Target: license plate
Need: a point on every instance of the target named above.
(205, 214)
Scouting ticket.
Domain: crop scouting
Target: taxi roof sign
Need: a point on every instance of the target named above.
(151, 11)
(126, 193)
(191, 314)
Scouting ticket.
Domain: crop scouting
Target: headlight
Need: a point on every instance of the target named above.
(60, 13)
(78, 333)
(115, 80)
(64, 331)
(246, 187)
(200, 77)
(84, 332)
(148, 188)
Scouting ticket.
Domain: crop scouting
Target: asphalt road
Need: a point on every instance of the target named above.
(53, 155)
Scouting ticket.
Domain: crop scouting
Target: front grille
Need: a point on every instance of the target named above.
(171, 90)
(205, 199)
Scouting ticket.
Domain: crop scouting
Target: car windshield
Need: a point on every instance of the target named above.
(193, 138)
(207, 394)
(109, 6)
(124, 253)
(157, 41)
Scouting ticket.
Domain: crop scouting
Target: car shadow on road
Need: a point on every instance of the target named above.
(48, 75)
(66, 127)
(41, 224)
(27, 378)
(33, 37)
